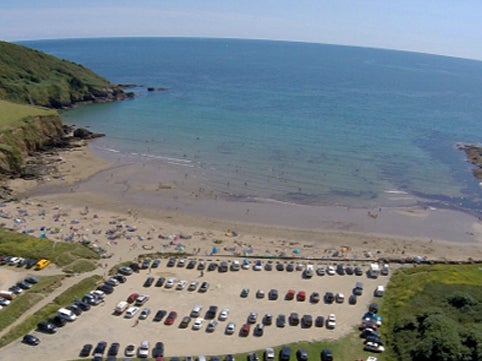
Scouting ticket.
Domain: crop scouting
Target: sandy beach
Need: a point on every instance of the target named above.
(89, 196)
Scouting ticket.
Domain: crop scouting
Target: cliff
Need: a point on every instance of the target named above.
(33, 77)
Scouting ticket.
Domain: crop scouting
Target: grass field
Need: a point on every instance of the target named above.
(60, 253)
(12, 115)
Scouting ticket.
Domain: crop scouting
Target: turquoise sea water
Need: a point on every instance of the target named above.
(294, 122)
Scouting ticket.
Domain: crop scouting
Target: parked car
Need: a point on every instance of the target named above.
(196, 311)
(230, 328)
(329, 297)
(143, 350)
(223, 315)
(170, 282)
(252, 317)
(57, 321)
(320, 271)
(245, 292)
(268, 266)
(85, 350)
(126, 271)
(294, 319)
(258, 265)
(258, 330)
(185, 322)
(301, 296)
(149, 281)
(358, 289)
(290, 267)
(158, 350)
(268, 354)
(132, 297)
(319, 321)
(75, 309)
(245, 330)
(193, 286)
(211, 312)
(159, 315)
(358, 271)
(211, 326)
(352, 300)
(31, 279)
(82, 305)
(131, 311)
(373, 347)
(31, 340)
(46, 327)
(130, 350)
(171, 262)
(306, 321)
(155, 263)
(160, 281)
(301, 355)
(181, 284)
(285, 353)
(171, 317)
(141, 300)
(223, 267)
(290, 295)
(326, 355)
(340, 297)
(198, 323)
(114, 282)
(259, 294)
(191, 264)
(204, 287)
(315, 297)
(113, 349)
(100, 348)
(273, 294)
(330, 270)
(268, 319)
(281, 320)
(331, 321)
(144, 313)
(280, 266)
(106, 288)
(201, 266)
(252, 356)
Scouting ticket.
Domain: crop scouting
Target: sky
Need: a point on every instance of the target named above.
(445, 27)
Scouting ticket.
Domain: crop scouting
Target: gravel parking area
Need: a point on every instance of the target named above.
(100, 324)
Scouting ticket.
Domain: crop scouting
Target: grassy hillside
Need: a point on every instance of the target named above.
(13, 115)
(33, 77)
(434, 313)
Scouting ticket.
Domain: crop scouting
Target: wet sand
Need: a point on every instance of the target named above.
(170, 199)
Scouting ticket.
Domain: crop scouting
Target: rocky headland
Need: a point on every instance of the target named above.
(474, 156)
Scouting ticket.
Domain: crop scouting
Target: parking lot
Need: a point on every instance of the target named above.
(100, 323)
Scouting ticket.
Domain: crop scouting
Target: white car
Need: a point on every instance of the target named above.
(340, 298)
(170, 282)
(98, 293)
(198, 323)
(373, 347)
(131, 311)
(143, 350)
(269, 354)
(330, 270)
(196, 311)
(181, 284)
(193, 286)
(223, 315)
(331, 321)
(230, 328)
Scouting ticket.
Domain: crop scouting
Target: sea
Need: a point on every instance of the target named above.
(288, 121)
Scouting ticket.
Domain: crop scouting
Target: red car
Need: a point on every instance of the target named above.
(244, 330)
(301, 296)
(171, 317)
(132, 297)
(290, 295)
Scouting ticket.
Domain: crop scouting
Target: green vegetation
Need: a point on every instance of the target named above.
(434, 313)
(15, 115)
(33, 77)
(60, 253)
(47, 311)
(80, 266)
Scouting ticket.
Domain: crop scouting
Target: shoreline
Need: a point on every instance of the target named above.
(85, 181)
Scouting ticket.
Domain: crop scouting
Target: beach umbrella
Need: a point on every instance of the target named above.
(296, 251)
(215, 250)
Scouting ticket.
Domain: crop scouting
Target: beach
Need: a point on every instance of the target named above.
(88, 195)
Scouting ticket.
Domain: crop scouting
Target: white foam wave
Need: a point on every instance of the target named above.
(394, 191)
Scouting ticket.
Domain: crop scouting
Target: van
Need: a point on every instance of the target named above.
(42, 264)
(66, 314)
(121, 307)
(8, 295)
